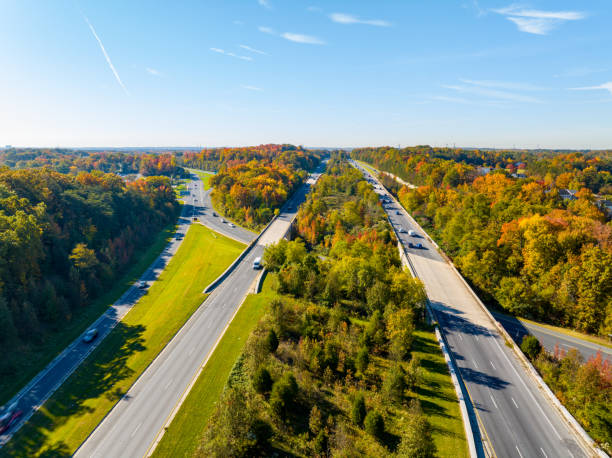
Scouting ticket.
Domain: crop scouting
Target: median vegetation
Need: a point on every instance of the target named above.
(341, 364)
(66, 419)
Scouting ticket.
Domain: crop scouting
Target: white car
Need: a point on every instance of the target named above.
(411, 233)
(232, 225)
(401, 230)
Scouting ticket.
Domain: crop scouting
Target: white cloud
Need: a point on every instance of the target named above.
(153, 71)
(231, 54)
(266, 30)
(491, 93)
(537, 21)
(108, 61)
(251, 88)
(314, 9)
(265, 4)
(237, 22)
(256, 51)
(604, 86)
(342, 18)
(503, 85)
(299, 38)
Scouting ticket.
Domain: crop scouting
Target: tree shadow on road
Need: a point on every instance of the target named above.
(96, 378)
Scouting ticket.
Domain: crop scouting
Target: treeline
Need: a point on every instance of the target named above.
(425, 165)
(250, 190)
(584, 388)
(214, 158)
(75, 161)
(329, 370)
(64, 239)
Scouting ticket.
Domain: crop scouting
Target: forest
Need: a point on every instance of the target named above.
(250, 189)
(527, 250)
(75, 161)
(64, 239)
(330, 370)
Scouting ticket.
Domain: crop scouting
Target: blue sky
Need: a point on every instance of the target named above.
(328, 73)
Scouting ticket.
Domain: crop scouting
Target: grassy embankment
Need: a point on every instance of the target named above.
(32, 359)
(437, 394)
(183, 435)
(204, 176)
(66, 419)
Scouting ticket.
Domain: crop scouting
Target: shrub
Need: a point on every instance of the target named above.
(531, 347)
(283, 395)
(272, 341)
(262, 381)
(362, 360)
(358, 412)
(374, 424)
(395, 383)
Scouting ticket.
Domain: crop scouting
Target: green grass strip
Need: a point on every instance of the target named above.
(70, 415)
(31, 359)
(438, 397)
(205, 177)
(183, 436)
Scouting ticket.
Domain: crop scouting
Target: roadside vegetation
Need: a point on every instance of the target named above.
(205, 177)
(181, 438)
(584, 388)
(341, 364)
(65, 241)
(524, 247)
(66, 419)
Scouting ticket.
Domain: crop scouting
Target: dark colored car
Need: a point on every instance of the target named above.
(9, 417)
(90, 335)
(214, 213)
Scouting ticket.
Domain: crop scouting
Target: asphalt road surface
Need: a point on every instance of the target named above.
(57, 371)
(518, 419)
(550, 339)
(200, 207)
(131, 427)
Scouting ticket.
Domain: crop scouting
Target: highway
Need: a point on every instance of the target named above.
(550, 338)
(41, 387)
(131, 427)
(519, 421)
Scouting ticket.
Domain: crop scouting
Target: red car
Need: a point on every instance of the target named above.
(9, 417)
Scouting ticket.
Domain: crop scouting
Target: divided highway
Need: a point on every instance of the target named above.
(519, 421)
(132, 426)
(57, 371)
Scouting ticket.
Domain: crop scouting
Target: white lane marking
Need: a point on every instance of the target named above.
(544, 453)
(476, 364)
(136, 429)
(527, 389)
(519, 452)
(515, 404)
(494, 403)
(168, 384)
(460, 336)
(492, 365)
(570, 453)
(476, 337)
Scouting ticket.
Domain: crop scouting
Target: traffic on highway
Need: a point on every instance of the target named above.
(515, 418)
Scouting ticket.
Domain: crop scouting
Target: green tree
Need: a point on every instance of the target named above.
(362, 360)
(374, 424)
(531, 346)
(262, 381)
(358, 410)
(271, 341)
(417, 441)
(394, 383)
(283, 396)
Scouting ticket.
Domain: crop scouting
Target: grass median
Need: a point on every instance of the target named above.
(67, 418)
(205, 177)
(183, 436)
(30, 360)
(438, 397)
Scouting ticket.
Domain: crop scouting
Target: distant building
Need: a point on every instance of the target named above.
(483, 170)
(567, 194)
(519, 175)
(605, 206)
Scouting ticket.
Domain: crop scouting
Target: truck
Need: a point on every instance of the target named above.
(257, 263)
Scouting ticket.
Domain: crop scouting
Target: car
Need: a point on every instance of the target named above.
(195, 200)
(418, 245)
(401, 230)
(257, 263)
(195, 219)
(142, 284)
(222, 220)
(90, 335)
(232, 225)
(411, 233)
(215, 214)
(410, 245)
(9, 416)
(397, 212)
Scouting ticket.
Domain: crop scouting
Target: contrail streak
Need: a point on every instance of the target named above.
(110, 64)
